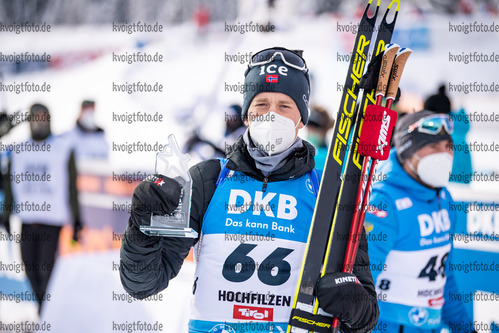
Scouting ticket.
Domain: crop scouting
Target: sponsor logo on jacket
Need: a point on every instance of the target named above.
(253, 313)
(260, 201)
(436, 222)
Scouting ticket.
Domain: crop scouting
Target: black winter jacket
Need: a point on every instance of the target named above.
(146, 269)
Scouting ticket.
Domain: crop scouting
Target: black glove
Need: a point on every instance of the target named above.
(5, 123)
(76, 229)
(343, 296)
(157, 194)
(5, 221)
(369, 80)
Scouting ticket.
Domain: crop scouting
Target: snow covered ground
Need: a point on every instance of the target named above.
(87, 289)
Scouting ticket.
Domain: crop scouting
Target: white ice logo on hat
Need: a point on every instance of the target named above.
(271, 69)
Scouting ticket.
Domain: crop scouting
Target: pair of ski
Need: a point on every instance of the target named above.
(336, 224)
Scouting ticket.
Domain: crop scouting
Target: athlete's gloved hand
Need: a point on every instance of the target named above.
(342, 295)
(369, 80)
(77, 226)
(157, 194)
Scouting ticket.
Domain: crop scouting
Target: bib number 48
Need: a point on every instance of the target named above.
(272, 271)
(431, 271)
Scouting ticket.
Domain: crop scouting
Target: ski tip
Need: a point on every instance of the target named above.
(394, 1)
(392, 46)
(404, 50)
(369, 6)
(391, 25)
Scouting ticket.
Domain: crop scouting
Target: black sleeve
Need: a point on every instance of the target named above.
(363, 272)
(204, 176)
(146, 266)
(146, 269)
(8, 199)
(73, 190)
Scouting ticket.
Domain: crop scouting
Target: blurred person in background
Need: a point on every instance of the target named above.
(43, 195)
(319, 123)
(89, 140)
(234, 125)
(201, 17)
(203, 149)
(410, 209)
(438, 102)
(462, 167)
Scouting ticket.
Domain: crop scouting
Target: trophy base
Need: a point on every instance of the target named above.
(169, 231)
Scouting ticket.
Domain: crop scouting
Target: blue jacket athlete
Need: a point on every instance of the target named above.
(410, 226)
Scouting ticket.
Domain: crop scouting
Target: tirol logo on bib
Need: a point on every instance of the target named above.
(253, 313)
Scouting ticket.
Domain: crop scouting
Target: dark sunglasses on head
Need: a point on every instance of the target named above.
(288, 57)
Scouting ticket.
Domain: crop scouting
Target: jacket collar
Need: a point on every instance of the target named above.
(297, 164)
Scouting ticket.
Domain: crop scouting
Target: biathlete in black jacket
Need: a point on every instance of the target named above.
(253, 212)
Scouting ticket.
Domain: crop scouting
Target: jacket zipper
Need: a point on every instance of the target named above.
(264, 187)
(438, 196)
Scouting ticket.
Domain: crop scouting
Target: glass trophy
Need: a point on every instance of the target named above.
(172, 163)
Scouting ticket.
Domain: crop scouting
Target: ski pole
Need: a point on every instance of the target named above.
(388, 57)
(398, 66)
(365, 186)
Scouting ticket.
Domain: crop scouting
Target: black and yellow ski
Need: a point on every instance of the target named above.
(325, 227)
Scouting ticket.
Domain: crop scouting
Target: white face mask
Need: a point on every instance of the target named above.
(435, 169)
(273, 133)
(87, 120)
